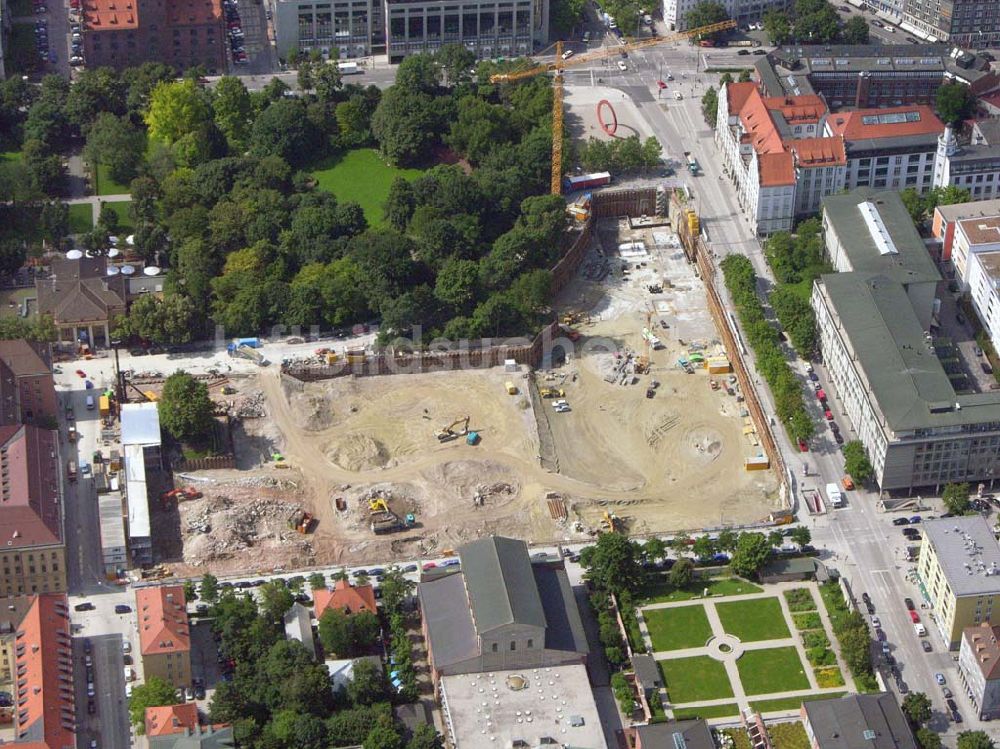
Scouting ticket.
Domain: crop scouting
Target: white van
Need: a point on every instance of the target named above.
(90, 403)
(920, 629)
(834, 495)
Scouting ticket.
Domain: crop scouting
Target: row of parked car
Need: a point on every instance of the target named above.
(75, 34)
(42, 41)
(234, 28)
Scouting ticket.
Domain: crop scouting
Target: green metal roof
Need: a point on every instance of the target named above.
(500, 582)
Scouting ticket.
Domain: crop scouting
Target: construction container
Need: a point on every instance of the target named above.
(356, 356)
(757, 463)
(719, 366)
(104, 405)
(511, 388)
(331, 357)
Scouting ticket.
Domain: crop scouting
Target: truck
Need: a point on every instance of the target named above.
(348, 68)
(301, 521)
(71, 470)
(71, 433)
(251, 342)
(585, 181)
(389, 522)
(834, 494)
(247, 351)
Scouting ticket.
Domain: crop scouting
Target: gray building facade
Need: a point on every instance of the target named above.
(979, 668)
(975, 23)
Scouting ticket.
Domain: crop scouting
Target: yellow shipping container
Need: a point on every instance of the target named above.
(104, 405)
(719, 366)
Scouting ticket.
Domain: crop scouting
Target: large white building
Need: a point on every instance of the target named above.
(742, 11)
(976, 257)
(141, 447)
(876, 320)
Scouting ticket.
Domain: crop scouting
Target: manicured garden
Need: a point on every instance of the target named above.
(104, 185)
(706, 712)
(661, 591)
(772, 670)
(790, 703)
(81, 218)
(121, 208)
(753, 620)
(677, 628)
(360, 176)
(800, 599)
(695, 679)
(788, 736)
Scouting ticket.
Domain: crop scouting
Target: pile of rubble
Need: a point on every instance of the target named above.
(491, 492)
(248, 406)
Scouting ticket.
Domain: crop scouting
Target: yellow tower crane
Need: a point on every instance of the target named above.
(557, 65)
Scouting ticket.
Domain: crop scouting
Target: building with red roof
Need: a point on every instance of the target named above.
(31, 519)
(168, 719)
(127, 33)
(44, 716)
(164, 633)
(350, 598)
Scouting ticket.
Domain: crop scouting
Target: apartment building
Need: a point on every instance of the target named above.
(979, 668)
(959, 566)
(891, 148)
(33, 559)
(976, 258)
(358, 28)
(164, 633)
(871, 76)
(127, 33)
(774, 150)
(975, 23)
(874, 321)
(946, 218)
(974, 167)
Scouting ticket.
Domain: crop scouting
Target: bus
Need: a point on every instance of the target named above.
(583, 181)
(348, 68)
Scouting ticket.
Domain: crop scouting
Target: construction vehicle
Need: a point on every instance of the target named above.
(389, 522)
(511, 388)
(181, 494)
(377, 505)
(449, 432)
(547, 392)
(573, 335)
(611, 522)
(301, 521)
(472, 438)
(556, 67)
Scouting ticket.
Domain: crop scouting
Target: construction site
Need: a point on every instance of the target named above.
(633, 421)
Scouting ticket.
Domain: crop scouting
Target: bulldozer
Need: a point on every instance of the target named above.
(449, 432)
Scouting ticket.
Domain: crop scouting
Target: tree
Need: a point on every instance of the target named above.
(44, 167)
(710, 105)
(801, 535)
(777, 26)
(116, 143)
(12, 255)
(681, 574)
(396, 588)
(706, 13)
(190, 592)
(177, 109)
(419, 73)
(424, 737)
(284, 130)
(185, 408)
(367, 684)
(54, 222)
(317, 581)
(406, 123)
(727, 540)
(613, 563)
(855, 31)
(856, 461)
(208, 589)
(928, 739)
(914, 203)
(954, 102)
(383, 735)
(232, 111)
(917, 707)
(348, 635)
(654, 550)
(751, 553)
(956, 498)
(107, 221)
(275, 600)
(155, 692)
(974, 740)
(704, 547)
(164, 320)
(456, 61)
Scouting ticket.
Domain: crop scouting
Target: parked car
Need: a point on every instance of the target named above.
(914, 520)
(123, 608)
(85, 606)
(925, 644)
(939, 678)
(909, 603)
(876, 622)
(901, 521)
(914, 617)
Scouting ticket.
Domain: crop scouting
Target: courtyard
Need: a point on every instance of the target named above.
(769, 647)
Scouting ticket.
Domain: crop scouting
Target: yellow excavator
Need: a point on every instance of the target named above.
(449, 432)
(377, 505)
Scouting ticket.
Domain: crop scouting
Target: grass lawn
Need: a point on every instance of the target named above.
(695, 679)
(363, 177)
(710, 711)
(751, 621)
(681, 627)
(828, 677)
(800, 599)
(791, 703)
(788, 736)
(124, 217)
(663, 592)
(81, 218)
(104, 185)
(802, 289)
(772, 670)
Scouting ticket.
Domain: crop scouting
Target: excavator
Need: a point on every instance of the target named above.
(449, 432)
(377, 505)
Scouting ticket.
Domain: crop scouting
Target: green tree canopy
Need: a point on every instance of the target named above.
(706, 13)
(613, 563)
(752, 552)
(856, 461)
(917, 707)
(682, 573)
(956, 498)
(974, 740)
(117, 144)
(185, 409)
(167, 319)
(855, 31)
(177, 109)
(954, 102)
(155, 692)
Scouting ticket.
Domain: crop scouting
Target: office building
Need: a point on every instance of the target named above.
(976, 258)
(946, 218)
(359, 28)
(774, 150)
(857, 721)
(127, 33)
(743, 12)
(975, 168)
(920, 425)
(973, 23)
(979, 668)
(959, 566)
(31, 519)
(500, 612)
(141, 447)
(871, 76)
(164, 634)
(46, 716)
(888, 149)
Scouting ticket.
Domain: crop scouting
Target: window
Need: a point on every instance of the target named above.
(495, 647)
(531, 643)
(513, 645)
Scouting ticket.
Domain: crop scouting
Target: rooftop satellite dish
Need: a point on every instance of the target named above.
(112, 270)
(127, 270)
(151, 270)
(113, 252)
(74, 255)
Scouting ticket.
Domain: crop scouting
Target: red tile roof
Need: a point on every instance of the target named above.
(45, 711)
(107, 15)
(797, 110)
(29, 492)
(737, 95)
(776, 169)
(852, 126)
(161, 721)
(344, 596)
(818, 151)
(163, 620)
(25, 358)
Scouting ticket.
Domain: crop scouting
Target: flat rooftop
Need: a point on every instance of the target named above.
(140, 424)
(112, 522)
(990, 261)
(136, 492)
(530, 705)
(958, 211)
(981, 230)
(968, 553)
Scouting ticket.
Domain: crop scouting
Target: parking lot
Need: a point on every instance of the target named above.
(257, 55)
